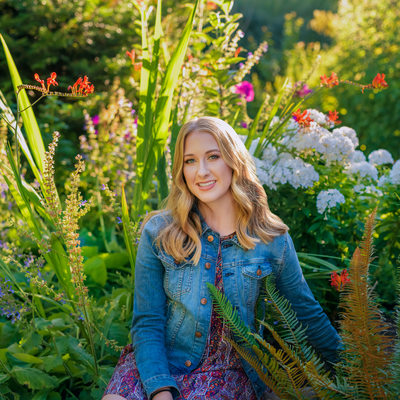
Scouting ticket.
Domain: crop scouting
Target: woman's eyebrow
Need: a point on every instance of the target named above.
(208, 151)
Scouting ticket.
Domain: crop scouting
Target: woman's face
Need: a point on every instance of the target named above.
(207, 175)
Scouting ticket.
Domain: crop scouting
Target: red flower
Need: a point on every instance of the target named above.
(379, 82)
(52, 80)
(334, 117)
(37, 78)
(302, 118)
(332, 81)
(238, 50)
(82, 87)
(211, 5)
(339, 281)
(131, 55)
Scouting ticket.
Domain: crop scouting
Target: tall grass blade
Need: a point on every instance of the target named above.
(31, 126)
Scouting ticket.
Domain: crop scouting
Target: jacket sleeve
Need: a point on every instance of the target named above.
(149, 316)
(291, 284)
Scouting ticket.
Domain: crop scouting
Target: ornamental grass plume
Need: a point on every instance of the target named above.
(72, 213)
(52, 202)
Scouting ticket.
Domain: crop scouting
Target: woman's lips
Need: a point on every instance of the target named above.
(206, 185)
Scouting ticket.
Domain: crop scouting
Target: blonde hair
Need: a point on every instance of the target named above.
(181, 237)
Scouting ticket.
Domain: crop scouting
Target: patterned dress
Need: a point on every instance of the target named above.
(220, 374)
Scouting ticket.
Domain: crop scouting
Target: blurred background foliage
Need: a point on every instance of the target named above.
(355, 39)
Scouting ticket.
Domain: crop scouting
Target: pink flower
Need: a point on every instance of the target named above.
(246, 90)
(95, 120)
(302, 90)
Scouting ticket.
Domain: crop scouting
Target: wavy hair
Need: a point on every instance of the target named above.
(181, 237)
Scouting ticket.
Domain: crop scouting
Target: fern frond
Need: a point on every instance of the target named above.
(230, 315)
(274, 381)
(294, 333)
(363, 327)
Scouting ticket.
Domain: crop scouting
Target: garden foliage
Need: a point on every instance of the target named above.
(68, 235)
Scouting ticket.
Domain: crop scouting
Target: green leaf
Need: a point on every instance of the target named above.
(4, 378)
(31, 126)
(96, 268)
(89, 251)
(128, 242)
(27, 358)
(35, 379)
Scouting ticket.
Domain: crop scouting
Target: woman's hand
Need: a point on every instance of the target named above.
(166, 395)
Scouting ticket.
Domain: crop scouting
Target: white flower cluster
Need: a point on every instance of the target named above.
(328, 199)
(273, 170)
(395, 173)
(337, 145)
(284, 163)
(380, 157)
(364, 169)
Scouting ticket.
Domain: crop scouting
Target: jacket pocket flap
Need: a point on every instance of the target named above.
(257, 270)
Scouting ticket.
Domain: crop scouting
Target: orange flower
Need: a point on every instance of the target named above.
(41, 81)
(333, 116)
(379, 82)
(302, 118)
(339, 281)
(238, 50)
(82, 87)
(211, 5)
(332, 81)
(131, 55)
(52, 80)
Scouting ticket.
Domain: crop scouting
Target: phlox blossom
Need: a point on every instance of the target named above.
(380, 157)
(395, 173)
(328, 199)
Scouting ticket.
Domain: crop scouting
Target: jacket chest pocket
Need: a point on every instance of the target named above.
(252, 278)
(177, 278)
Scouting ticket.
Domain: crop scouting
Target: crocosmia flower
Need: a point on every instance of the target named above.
(332, 81)
(302, 118)
(41, 81)
(246, 90)
(52, 80)
(339, 281)
(379, 82)
(333, 116)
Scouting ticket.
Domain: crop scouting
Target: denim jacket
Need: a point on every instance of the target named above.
(172, 304)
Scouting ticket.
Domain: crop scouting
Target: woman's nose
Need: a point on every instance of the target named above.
(203, 168)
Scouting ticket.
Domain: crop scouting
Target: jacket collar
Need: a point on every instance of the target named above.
(206, 230)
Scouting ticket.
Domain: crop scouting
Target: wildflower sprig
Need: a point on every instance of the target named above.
(339, 281)
(81, 88)
(377, 83)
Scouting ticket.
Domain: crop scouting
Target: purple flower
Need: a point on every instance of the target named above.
(82, 203)
(243, 124)
(103, 187)
(95, 120)
(246, 90)
(119, 220)
(302, 90)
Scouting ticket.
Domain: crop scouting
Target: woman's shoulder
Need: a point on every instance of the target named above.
(157, 220)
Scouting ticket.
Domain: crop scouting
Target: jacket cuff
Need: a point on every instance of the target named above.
(159, 381)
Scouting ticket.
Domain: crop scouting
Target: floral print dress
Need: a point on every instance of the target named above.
(220, 374)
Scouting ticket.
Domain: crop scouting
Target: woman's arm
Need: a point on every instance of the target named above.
(148, 324)
(291, 283)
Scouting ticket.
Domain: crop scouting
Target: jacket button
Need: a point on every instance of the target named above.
(188, 363)
(207, 265)
(259, 271)
(203, 301)
(198, 334)
(210, 238)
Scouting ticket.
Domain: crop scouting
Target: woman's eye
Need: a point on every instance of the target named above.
(214, 156)
(189, 161)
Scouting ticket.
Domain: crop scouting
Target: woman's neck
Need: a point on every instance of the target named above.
(220, 218)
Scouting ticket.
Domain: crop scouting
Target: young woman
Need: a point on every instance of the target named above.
(216, 227)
